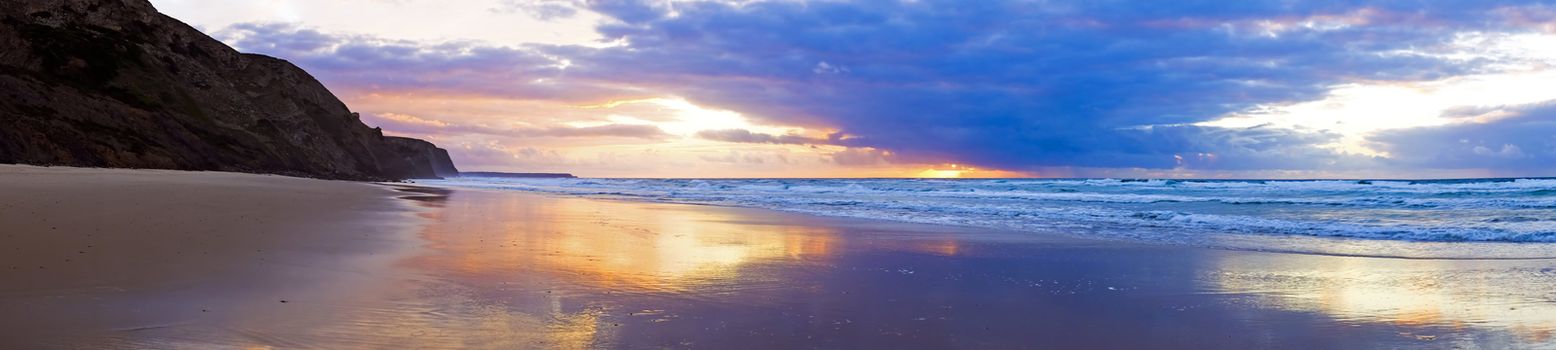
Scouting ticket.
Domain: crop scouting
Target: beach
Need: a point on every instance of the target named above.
(94, 257)
(164, 259)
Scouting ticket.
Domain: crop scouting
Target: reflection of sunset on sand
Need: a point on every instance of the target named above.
(614, 244)
(1449, 295)
(500, 269)
(580, 273)
(511, 271)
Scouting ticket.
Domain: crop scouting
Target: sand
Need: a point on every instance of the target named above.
(502, 270)
(88, 256)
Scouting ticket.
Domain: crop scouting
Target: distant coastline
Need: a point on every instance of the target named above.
(516, 175)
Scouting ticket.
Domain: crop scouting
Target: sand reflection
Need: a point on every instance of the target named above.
(518, 271)
(612, 244)
(506, 270)
(1451, 296)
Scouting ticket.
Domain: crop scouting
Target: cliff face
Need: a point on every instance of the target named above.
(113, 83)
(425, 160)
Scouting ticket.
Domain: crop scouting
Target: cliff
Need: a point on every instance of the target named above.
(425, 160)
(114, 83)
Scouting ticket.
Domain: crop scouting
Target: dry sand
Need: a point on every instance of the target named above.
(202, 260)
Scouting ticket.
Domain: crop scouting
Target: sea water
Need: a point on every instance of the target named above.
(1478, 218)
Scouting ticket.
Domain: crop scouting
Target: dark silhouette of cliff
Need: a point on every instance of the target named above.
(114, 83)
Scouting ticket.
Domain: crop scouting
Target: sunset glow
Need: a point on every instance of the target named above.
(609, 91)
(784, 174)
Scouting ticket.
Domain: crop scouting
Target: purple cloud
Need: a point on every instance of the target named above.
(746, 136)
(414, 125)
(1006, 84)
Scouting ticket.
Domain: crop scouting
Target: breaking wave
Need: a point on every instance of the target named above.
(1177, 211)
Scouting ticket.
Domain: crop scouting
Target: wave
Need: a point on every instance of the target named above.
(1492, 210)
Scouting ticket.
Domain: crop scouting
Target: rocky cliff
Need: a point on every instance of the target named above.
(113, 83)
(425, 160)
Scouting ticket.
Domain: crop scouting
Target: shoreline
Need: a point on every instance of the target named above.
(1116, 240)
(809, 281)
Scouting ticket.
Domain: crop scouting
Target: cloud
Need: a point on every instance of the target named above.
(1004, 84)
(362, 63)
(746, 136)
(401, 123)
(491, 155)
(1017, 85)
(617, 130)
(546, 10)
(1522, 142)
(746, 157)
(862, 157)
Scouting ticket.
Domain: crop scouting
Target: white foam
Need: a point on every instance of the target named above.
(1521, 210)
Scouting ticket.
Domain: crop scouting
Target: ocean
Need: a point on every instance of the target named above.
(1471, 219)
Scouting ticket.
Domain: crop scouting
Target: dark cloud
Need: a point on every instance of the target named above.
(420, 126)
(1522, 144)
(1023, 84)
(1017, 84)
(362, 63)
(1005, 84)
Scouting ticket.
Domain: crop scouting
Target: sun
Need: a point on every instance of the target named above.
(939, 174)
(948, 171)
(962, 171)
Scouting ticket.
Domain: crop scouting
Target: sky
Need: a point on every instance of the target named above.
(934, 88)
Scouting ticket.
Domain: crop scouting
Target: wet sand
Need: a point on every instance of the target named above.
(500, 270)
(95, 257)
